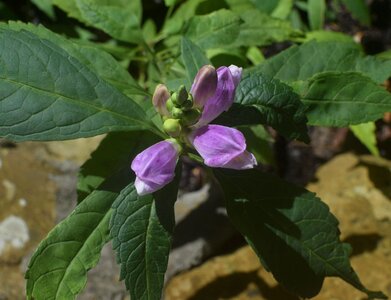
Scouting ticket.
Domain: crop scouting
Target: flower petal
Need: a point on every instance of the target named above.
(155, 167)
(227, 80)
(222, 147)
(204, 85)
(159, 99)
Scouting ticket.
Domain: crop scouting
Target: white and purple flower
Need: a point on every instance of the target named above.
(211, 94)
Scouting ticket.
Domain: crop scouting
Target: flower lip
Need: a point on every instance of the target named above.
(155, 166)
(222, 147)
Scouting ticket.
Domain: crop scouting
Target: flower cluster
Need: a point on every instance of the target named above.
(186, 119)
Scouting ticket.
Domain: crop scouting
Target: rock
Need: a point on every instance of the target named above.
(201, 231)
(348, 184)
(27, 210)
(14, 235)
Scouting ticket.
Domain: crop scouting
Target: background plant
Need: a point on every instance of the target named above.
(97, 77)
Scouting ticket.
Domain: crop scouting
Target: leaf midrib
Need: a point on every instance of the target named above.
(106, 215)
(80, 103)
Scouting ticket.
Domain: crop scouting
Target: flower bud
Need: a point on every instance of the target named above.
(228, 79)
(159, 99)
(172, 127)
(190, 117)
(177, 113)
(222, 147)
(170, 105)
(155, 166)
(188, 104)
(204, 85)
(182, 94)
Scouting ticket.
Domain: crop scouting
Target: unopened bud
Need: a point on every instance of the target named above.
(190, 117)
(169, 105)
(172, 127)
(177, 113)
(159, 99)
(204, 85)
(188, 104)
(180, 96)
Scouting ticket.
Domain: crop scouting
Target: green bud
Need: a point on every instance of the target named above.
(188, 104)
(190, 117)
(182, 94)
(177, 113)
(172, 127)
(169, 105)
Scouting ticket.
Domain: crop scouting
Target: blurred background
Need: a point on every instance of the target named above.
(209, 259)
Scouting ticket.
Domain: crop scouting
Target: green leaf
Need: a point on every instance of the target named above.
(283, 9)
(72, 8)
(58, 268)
(302, 62)
(262, 100)
(359, 10)
(218, 29)
(259, 29)
(366, 133)
(227, 56)
(186, 11)
(193, 58)
(266, 6)
(142, 227)
(259, 143)
(116, 150)
(116, 20)
(240, 6)
(98, 61)
(342, 99)
(63, 100)
(316, 12)
(169, 2)
(255, 55)
(46, 6)
(326, 36)
(290, 229)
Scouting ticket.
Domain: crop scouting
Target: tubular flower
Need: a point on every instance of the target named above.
(186, 119)
(155, 166)
(223, 147)
(228, 79)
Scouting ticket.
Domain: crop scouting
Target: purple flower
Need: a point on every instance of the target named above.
(222, 147)
(212, 93)
(228, 79)
(204, 85)
(155, 166)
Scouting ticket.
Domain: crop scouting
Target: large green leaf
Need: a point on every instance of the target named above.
(98, 61)
(193, 57)
(291, 230)
(141, 227)
(116, 150)
(58, 268)
(302, 62)
(261, 99)
(214, 30)
(47, 94)
(342, 99)
(119, 21)
(260, 29)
